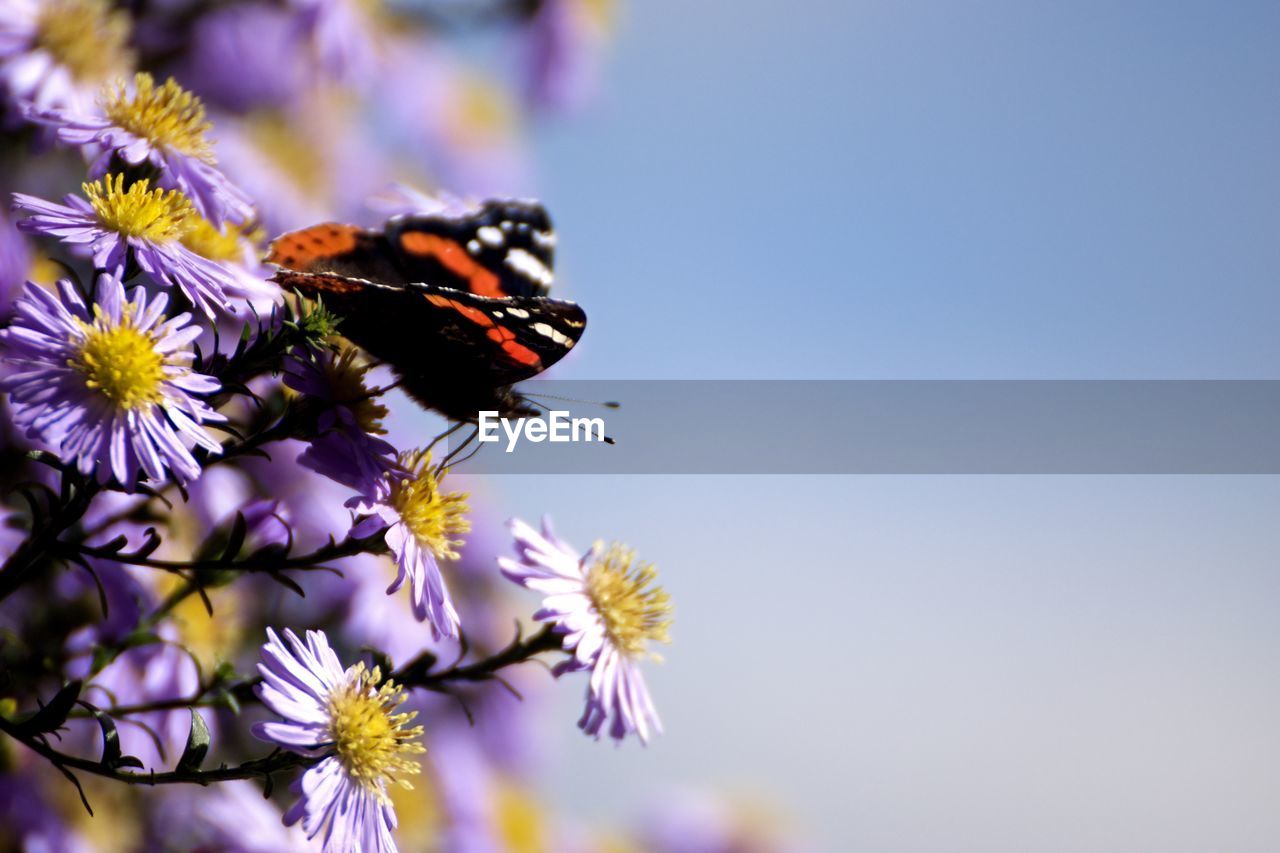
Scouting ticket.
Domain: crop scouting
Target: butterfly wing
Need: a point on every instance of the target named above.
(332, 247)
(465, 339)
(502, 248)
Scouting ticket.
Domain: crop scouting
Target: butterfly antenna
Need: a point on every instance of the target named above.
(442, 436)
(453, 454)
(608, 404)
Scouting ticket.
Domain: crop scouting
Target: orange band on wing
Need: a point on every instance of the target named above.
(455, 259)
(513, 349)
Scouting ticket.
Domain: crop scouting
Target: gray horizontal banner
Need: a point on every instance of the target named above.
(887, 427)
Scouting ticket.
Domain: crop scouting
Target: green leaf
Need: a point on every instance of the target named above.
(111, 757)
(54, 714)
(197, 744)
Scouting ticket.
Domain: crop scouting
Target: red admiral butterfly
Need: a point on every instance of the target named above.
(456, 305)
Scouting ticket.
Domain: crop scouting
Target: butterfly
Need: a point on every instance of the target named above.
(456, 304)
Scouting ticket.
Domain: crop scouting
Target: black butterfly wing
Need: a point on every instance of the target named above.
(503, 248)
(463, 339)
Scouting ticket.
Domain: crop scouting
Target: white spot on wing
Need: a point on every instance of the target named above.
(518, 313)
(546, 331)
(490, 236)
(527, 265)
(473, 246)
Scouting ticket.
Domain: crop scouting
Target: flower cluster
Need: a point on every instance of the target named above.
(193, 459)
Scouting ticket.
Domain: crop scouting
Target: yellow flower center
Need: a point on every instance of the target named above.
(289, 152)
(167, 116)
(120, 361)
(346, 382)
(634, 609)
(369, 737)
(87, 37)
(153, 215)
(432, 517)
(226, 244)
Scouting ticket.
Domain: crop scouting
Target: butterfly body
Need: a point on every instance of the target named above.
(456, 305)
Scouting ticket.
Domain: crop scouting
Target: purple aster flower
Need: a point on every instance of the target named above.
(117, 223)
(230, 817)
(608, 609)
(420, 522)
(346, 448)
(248, 56)
(164, 126)
(349, 717)
(562, 52)
(341, 36)
(15, 262)
(59, 53)
(110, 384)
(152, 673)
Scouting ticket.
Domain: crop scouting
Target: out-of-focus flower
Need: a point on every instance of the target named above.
(151, 673)
(699, 821)
(421, 522)
(453, 122)
(29, 821)
(347, 448)
(341, 34)
(239, 254)
(609, 610)
(563, 48)
(111, 385)
(230, 817)
(348, 716)
(15, 261)
(119, 223)
(59, 53)
(164, 126)
(247, 56)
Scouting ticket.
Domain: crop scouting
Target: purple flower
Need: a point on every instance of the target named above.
(346, 448)
(155, 672)
(15, 262)
(58, 53)
(341, 36)
(164, 126)
(230, 817)
(420, 522)
(562, 52)
(609, 609)
(348, 718)
(248, 56)
(110, 384)
(117, 223)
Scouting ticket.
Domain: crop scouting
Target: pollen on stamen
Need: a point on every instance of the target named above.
(433, 516)
(165, 115)
(157, 215)
(633, 608)
(346, 377)
(223, 245)
(87, 37)
(371, 739)
(120, 362)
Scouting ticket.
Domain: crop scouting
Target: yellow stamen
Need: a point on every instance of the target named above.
(167, 116)
(634, 609)
(431, 516)
(370, 739)
(87, 37)
(345, 376)
(154, 215)
(222, 245)
(120, 361)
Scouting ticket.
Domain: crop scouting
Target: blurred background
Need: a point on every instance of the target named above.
(936, 190)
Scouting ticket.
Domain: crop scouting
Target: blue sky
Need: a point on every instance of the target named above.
(938, 190)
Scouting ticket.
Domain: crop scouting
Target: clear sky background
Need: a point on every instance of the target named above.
(834, 189)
